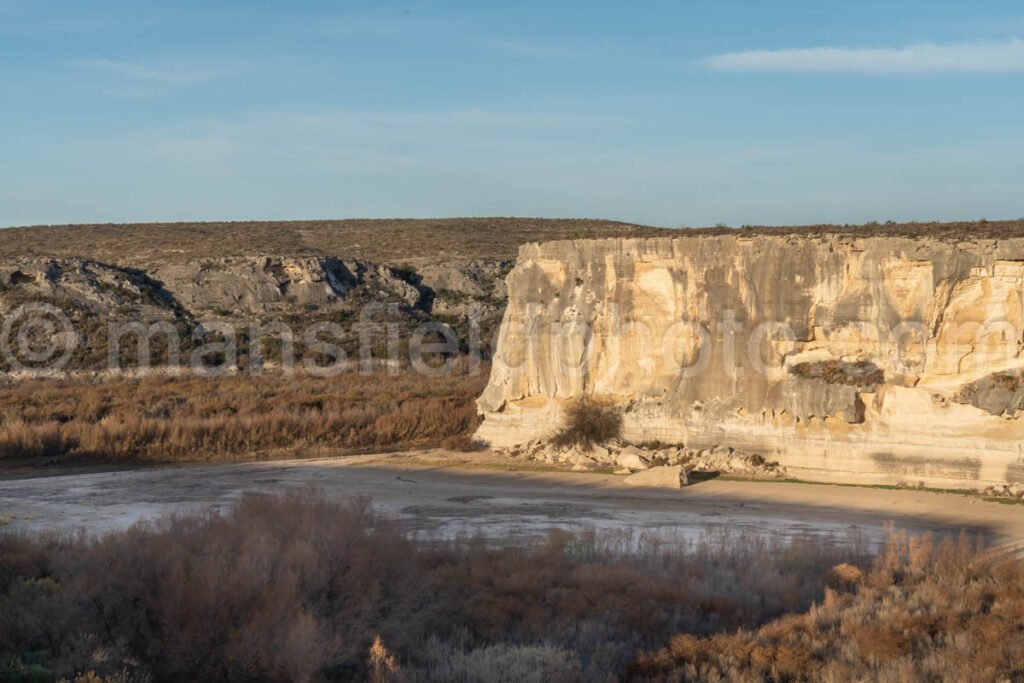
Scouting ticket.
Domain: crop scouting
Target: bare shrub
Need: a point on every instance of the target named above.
(589, 422)
(381, 664)
(280, 589)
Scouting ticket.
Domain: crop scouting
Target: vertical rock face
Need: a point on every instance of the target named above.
(880, 359)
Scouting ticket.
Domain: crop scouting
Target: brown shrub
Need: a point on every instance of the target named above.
(846, 574)
(687, 647)
(589, 422)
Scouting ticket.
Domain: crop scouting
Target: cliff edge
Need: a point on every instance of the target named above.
(876, 359)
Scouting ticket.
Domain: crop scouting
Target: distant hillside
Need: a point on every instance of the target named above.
(395, 240)
(379, 241)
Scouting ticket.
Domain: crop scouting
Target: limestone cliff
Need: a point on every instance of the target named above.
(874, 359)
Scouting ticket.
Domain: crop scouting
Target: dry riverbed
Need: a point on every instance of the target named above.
(441, 494)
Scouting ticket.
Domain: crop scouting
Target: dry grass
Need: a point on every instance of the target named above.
(299, 588)
(164, 418)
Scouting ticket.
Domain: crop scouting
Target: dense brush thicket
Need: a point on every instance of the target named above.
(300, 588)
(190, 417)
(921, 613)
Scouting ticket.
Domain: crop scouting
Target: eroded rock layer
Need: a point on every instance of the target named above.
(877, 359)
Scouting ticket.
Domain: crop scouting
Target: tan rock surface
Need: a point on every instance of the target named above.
(665, 477)
(746, 341)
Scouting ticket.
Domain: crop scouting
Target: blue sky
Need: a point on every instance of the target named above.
(661, 112)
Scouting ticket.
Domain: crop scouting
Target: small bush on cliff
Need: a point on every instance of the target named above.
(862, 373)
(998, 393)
(589, 422)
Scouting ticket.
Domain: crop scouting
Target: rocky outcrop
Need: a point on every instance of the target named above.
(255, 286)
(663, 477)
(874, 360)
(85, 283)
(252, 290)
(624, 458)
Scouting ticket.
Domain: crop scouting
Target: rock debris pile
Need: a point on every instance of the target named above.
(629, 459)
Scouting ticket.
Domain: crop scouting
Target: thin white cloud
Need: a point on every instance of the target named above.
(379, 141)
(1003, 57)
(165, 74)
